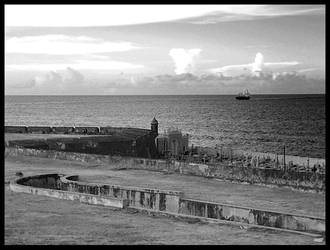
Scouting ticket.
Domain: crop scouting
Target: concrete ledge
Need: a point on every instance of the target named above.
(155, 199)
(67, 195)
(75, 179)
(252, 216)
(163, 201)
(192, 218)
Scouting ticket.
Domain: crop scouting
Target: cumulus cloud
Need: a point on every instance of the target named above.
(259, 65)
(258, 62)
(72, 81)
(56, 79)
(184, 60)
(58, 44)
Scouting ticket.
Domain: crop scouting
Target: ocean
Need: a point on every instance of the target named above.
(265, 123)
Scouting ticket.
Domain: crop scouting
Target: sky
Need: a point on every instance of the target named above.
(164, 49)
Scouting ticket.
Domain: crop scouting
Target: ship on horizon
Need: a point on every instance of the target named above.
(243, 95)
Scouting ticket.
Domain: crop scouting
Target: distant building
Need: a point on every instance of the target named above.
(172, 142)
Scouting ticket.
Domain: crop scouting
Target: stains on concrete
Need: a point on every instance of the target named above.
(172, 202)
(251, 216)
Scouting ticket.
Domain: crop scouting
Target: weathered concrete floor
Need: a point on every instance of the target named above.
(42, 220)
(259, 197)
(31, 219)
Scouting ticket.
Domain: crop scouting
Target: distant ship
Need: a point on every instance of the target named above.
(243, 95)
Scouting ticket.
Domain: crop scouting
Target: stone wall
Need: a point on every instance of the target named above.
(121, 141)
(74, 130)
(280, 177)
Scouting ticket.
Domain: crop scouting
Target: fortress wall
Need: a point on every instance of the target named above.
(298, 180)
(39, 130)
(15, 129)
(73, 130)
(63, 130)
(87, 130)
(251, 216)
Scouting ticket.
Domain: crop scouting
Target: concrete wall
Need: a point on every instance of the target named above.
(297, 180)
(165, 201)
(251, 216)
(42, 181)
(154, 199)
(59, 194)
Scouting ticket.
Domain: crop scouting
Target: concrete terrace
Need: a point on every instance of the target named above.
(38, 212)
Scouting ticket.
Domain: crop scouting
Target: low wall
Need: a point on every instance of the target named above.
(155, 199)
(50, 185)
(251, 216)
(297, 180)
(280, 177)
(164, 201)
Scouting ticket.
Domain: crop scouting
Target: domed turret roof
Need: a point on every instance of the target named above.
(154, 121)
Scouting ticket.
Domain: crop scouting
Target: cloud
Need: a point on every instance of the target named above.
(77, 64)
(231, 13)
(57, 44)
(259, 65)
(58, 79)
(71, 81)
(184, 60)
(109, 15)
(258, 62)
